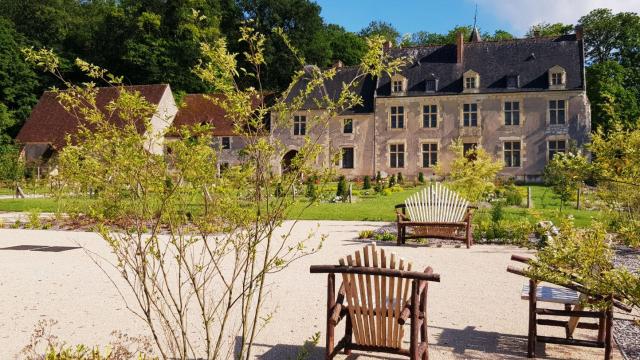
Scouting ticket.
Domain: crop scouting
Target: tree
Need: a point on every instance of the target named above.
(18, 83)
(546, 29)
(173, 225)
(565, 173)
(381, 28)
(472, 174)
(610, 36)
(344, 45)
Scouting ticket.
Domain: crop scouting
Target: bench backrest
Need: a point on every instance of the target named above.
(436, 204)
(375, 302)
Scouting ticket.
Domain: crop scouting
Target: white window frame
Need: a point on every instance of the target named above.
(557, 109)
(404, 123)
(477, 112)
(404, 154)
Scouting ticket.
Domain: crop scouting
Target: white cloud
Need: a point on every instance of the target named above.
(521, 14)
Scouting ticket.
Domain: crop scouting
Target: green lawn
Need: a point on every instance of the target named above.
(375, 208)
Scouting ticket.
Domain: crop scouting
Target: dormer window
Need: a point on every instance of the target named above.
(471, 81)
(513, 81)
(430, 85)
(557, 78)
(398, 84)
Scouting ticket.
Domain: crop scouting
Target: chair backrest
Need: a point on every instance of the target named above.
(375, 302)
(436, 204)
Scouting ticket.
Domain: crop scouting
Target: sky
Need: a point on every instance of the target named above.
(515, 16)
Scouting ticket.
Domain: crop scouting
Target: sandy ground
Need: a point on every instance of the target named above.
(474, 313)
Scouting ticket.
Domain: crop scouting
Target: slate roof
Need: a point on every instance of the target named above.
(200, 109)
(365, 87)
(493, 61)
(49, 122)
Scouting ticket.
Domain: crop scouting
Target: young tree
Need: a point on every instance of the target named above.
(194, 247)
(472, 174)
(565, 173)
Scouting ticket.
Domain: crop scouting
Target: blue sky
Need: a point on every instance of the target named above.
(515, 16)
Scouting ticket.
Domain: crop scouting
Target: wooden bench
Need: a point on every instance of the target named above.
(435, 212)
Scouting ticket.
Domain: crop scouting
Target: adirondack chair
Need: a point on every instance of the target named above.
(379, 293)
(573, 297)
(435, 212)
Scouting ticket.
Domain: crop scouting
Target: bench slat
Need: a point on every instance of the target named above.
(552, 295)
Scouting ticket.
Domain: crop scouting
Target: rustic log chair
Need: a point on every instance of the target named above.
(375, 286)
(435, 212)
(569, 295)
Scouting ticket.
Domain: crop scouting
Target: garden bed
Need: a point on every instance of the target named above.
(627, 331)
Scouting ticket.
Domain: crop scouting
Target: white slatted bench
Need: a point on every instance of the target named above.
(435, 212)
(552, 295)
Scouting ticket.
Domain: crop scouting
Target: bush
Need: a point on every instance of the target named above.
(311, 192)
(386, 192)
(513, 196)
(502, 231)
(400, 178)
(496, 211)
(392, 180)
(34, 219)
(367, 183)
(378, 177)
(365, 234)
(341, 190)
(379, 187)
(384, 236)
(421, 178)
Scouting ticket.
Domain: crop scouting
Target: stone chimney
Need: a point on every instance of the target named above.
(459, 47)
(579, 32)
(337, 65)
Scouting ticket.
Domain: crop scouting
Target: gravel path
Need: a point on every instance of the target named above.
(626, 330)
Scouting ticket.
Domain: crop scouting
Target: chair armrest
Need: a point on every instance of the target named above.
(406, 311)
(339, 309)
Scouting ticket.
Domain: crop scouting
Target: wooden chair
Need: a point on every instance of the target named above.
(435, 212)
(573, 297)
(379, 293)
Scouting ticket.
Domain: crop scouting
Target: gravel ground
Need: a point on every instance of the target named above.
(475, 312)
(626, 330)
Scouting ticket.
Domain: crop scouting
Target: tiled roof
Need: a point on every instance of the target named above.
(364, 86)
(493, 61)
(50, 123)
(200, 109)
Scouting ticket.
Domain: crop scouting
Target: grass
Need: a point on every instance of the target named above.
(376, 208)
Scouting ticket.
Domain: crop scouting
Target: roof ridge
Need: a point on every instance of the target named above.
(525, 39)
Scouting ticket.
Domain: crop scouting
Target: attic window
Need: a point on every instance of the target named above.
(397, 86)
(471, 81)
(430, 85)
(557, 78)
(513, 81)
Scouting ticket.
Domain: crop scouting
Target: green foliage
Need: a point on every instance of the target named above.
(430, 38)
(473, 174)
(384, 236)
(311, 192)
(305, 351)
(342, 189)
(421, 177)
(381, 28)
(392, 181)
(33, 221)
(512, 195)
(400, 178)
(546, 29)
(504, 231)
(565, 173)
(496, 211)
(365, 234)
(366, 185)
(12, 167)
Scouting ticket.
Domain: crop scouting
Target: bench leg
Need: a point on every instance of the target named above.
(531, 343)
(331, 302)
(399, 235)
(608, 341)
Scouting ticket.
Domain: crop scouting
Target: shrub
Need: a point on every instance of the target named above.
(384, 236)
(421, 178)
(34, 219)
(400, 178)
(311, 192)
(386, 192)
(396, 188)
(341, 190)
(279, 191)
(378, 177)
(367, 183)
(379, 187)
(496, 211)
(392, 180)
(512, 195)
(365, 234)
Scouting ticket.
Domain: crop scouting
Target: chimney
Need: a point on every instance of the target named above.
(579, 32)
(459, 47)
(387, 45)
(337, 65)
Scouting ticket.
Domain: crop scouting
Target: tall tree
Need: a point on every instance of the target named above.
(546, 29)
(383, 29)
(345, 46)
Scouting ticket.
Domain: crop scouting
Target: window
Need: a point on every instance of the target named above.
(512, 153)
(470, 115)
(347, 126)
(396, 155)
(430, 116)
(470, 83)
(557, 78)
(512, 113)
(430, 85)
(557, 146)
(299, 125)
(513, 81)
(429, 155)
(226, 142)
(468, 150)
(397, 117)
(397, 86)
(347, 158)
(557, 112)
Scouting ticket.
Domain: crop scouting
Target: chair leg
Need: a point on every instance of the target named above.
(399, 235)
(414, 344)
(331, 302)
(348, 335)
(531, 343)
(424, 332)
(469, 234)
(608, 341)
